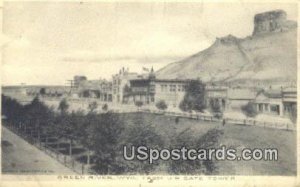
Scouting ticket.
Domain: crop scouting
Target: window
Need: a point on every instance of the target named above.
(152, 99)
(179, 88)
(275, 109)
(172, 88)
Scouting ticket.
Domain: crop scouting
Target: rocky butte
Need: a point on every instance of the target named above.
(268, 56)
(273, 21)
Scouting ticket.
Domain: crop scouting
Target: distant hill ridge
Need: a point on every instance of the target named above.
(269, 54)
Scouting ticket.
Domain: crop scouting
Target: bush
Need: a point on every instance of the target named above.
(63, 106)
(215, 107)
(194, 97)
(93, 106)
(161, 105)
(141, 132)
(249, 109)
(105, 107)
(138, 103)
(210, 139)
(104, 136)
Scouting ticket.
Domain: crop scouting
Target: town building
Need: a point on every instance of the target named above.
(121, 82)
(100, 89)
(141, 90)
(238, 97)
(12, 90)
(48, 91)
(149, 90)
(217, 95)
(269, 102)
(289, 99)
(280, 102)
(172, 91)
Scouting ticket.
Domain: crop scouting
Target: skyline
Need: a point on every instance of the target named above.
(99, 43)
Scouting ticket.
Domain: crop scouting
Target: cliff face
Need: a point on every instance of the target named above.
(269, 54)
(273, 21)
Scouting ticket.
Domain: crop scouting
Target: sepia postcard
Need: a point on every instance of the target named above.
(149, 93)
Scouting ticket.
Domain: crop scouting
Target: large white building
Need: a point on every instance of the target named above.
(120, 82)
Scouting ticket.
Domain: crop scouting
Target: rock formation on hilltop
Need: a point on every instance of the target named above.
(269, 54)
(273, 21)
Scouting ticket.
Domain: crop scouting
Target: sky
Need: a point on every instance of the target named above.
(49, 43)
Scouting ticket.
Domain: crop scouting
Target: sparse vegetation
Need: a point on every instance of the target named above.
(93, 106)
(161, 105)
(210, 139)
(249, 109)
(105, 107)
(63, 106)
(42, 91)
(154, 131)
(216, 109)
(138, 103)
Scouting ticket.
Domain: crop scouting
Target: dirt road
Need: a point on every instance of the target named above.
(20, 157)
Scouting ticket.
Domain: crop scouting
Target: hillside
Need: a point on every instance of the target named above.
(269, 54)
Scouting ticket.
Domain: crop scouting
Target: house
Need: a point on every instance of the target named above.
(238, 97)
(269, 102)
(140, 90)
(172, 91)
(119, 82)
(11, 90)
(289, 100)
(216, 95)
(55, 91)
(99, 88)
(150, 90)
(48, 91)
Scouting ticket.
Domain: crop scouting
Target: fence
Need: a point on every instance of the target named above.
(248, 122)
(66, 160)
(284, 126)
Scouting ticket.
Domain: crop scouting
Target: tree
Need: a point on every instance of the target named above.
(42, 91)
(194, 96)
(161, 105)
(63, 106)
(104, 132)
(141, 132)
(138, 104)
(93, 106)
(249, 109)
(216, 108)
(184, 139)
(38, 115)
(13, 111)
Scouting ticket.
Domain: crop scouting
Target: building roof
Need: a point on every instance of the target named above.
(139, 82)
(216, 88)
(173, 80)
(290, 89)
(273, 93)
(241, 94)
